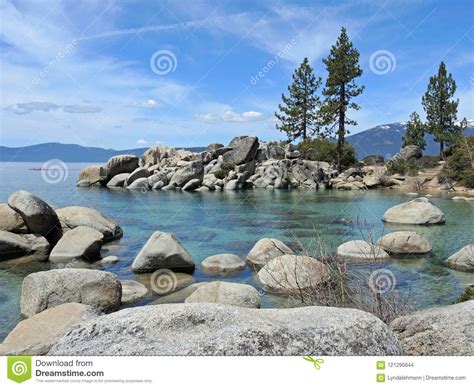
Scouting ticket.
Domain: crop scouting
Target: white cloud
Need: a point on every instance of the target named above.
(231, 117)
(146, 104)
(142, 142)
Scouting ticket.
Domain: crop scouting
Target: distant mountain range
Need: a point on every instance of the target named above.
(382, 140)
(386, 140)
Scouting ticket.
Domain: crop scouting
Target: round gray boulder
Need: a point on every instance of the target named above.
(361, 251)
(234, 294)
(11, 221)
(38, 216)
(163, 250)
(81, 243)
(121, 163)
(14, 246)
(462, 260)
(132, 291)
(420, 211)
(265, 250)
(222, 263)
(46, 289)
(404, 242)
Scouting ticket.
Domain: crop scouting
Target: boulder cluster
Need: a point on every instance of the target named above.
(244, 163)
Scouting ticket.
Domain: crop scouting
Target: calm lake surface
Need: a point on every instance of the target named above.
(231, 222)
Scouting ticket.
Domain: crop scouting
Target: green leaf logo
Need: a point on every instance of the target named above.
(316, 361)
(19, 368)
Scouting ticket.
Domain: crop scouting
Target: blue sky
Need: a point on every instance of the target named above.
(126, 74)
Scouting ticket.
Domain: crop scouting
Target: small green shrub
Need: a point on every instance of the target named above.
(459, 164)
(326, 151)
(224, 170)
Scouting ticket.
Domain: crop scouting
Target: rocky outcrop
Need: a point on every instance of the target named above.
(93, 175)
(222, 263)
(404, 242)
(410, 151)
(265, 250)
(371, 160)
(81, 243)
(14, 246)
(244, 149)
(46, 289)
(163, 251)
(361, 251)
(217, 330)
(121, 164)
(439, 331)
(35, 336)
(73, 216)
(290, 274)
(420, 211)
(233, 294)
(132, 291)
(11, 221)
(462, 260)
(39, 217)
(192, 170)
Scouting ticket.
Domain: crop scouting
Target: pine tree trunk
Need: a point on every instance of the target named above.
(341, 129)
(441, 150)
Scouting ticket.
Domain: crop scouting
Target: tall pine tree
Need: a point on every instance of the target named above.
(415, 132)
(343, 68)
(441, 109)
(299, 112)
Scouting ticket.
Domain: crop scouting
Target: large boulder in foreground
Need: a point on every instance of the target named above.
(120, 164)
(233, 294)
(73, 216)
(13, 246)
(192, 170)
(222, 263)
(37, 214)
(81, 243)
(219, 330)
(35, 336)
(46, 289)
(420, 211)
(405, 242)
(267, 249)
(163, 251)
(11, 221)
(244, 149)
(361, 251)
(462, 260)
(439, 331)
(288, 274)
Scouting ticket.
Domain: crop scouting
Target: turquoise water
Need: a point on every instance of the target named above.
(231, 222)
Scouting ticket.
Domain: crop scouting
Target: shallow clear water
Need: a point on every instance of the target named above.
(231, 222)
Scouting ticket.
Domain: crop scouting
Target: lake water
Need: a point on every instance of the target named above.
(231, 222)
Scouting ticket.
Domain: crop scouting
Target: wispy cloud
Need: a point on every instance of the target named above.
(231, 117)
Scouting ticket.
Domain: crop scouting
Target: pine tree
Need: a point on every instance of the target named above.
(343, 67)
(300, 110)
(441, 109)
(415, 132)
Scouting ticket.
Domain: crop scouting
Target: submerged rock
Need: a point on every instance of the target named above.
(439, 331)
(35, 336)
(267, 249)
(234, 294)
(162, 250)
(420, 211)
(81, 243)
(462, 260)
(404, 242)
(218, 330)
(222, 263)
(73, 216)
(46, 289)
(361, 251)
(288, 274)
(13, 246)
(37, 214)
